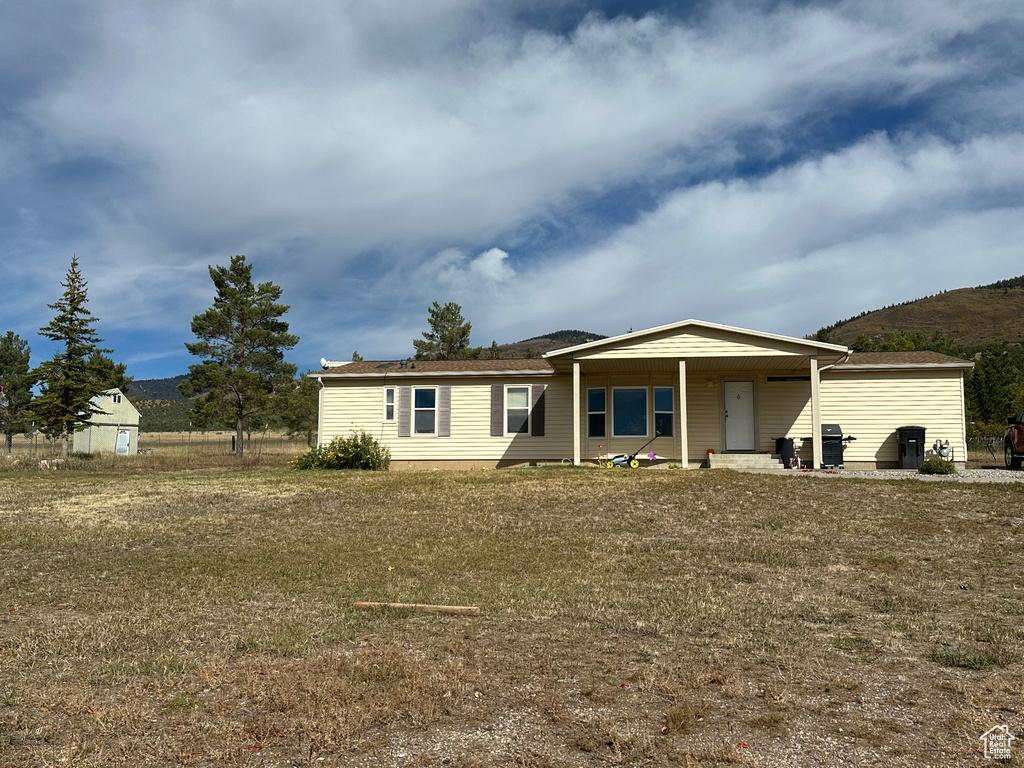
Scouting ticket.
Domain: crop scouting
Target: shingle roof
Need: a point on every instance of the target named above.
(372, 368)
(903, 359)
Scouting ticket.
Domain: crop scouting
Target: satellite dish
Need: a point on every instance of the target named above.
(323, 363)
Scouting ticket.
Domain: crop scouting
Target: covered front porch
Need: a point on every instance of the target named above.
(691, 388)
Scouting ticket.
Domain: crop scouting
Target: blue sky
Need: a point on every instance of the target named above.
(546, 164)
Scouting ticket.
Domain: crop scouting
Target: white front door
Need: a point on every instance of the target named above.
(739, 415)
(121, 448)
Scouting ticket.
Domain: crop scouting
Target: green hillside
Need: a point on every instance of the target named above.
(983, 324)
(969, 317)
(540, 345)
(164, 415)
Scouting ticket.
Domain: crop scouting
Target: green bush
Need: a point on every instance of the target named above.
(936, 467)
(358, 451)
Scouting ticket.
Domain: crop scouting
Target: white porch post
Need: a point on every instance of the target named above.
(684, 447)
(576, 416)
(815, 413)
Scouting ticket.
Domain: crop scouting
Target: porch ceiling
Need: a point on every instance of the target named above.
(800, 363)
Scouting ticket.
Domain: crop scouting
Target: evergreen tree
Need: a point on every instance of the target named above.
(356, 357)
(862, 344)
(448, 337)
(300, 407)
(107, 373)
(493, 352)
(899, 341)
(242, 339)
(993, 389)
(67, 386)
(16, 382)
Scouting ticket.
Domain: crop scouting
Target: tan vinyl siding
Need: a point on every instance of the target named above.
(870, 406)
(784, 410)
(690, 345)
(704, 415)
(360, 405)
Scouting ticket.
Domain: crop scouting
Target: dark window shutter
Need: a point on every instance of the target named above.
(537, 417)
(444, 411)
(404, 411)
(497, 410)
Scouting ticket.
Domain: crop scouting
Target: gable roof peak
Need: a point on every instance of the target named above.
(702, 324)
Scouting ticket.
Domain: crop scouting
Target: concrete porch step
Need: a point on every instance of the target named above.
(761, 461)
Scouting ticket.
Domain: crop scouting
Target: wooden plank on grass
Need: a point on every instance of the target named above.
(454, 610)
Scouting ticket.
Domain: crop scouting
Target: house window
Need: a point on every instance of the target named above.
(389, 403)
(663, 410)
(629, 411)
(596, 410)
(424, 409)
(116, 398)
(517, 410)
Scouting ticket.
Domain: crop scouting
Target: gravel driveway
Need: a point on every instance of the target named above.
(963, 476)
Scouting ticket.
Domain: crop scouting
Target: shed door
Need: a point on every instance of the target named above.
(121, 448)
(739, 415)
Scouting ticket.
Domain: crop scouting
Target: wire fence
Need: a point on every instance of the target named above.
(38, 446)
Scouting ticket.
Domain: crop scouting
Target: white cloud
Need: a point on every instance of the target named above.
(360, 153)
(493, 265)
(266, 122)
(878, 223)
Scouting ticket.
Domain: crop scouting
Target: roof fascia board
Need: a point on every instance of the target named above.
(431, 374)
(853, 367)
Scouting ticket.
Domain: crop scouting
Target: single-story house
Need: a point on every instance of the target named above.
(698, 389)
(113, 428)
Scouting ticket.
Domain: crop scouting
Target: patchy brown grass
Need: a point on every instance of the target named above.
(152, 617)
(160, 451)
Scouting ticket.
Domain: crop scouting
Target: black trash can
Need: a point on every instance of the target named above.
(831, 446)
(786, 450)
(911, 440)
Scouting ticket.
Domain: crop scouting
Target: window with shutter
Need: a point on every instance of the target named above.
(424, 410)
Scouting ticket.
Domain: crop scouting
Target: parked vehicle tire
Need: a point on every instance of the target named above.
(634, 463)
(609, 464)
(1011, 460)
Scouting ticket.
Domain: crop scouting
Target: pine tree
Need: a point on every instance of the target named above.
(67, 386)
(494, 352)
(242, 338)
(862, 344)
(109, 374)
(16, 382)
(299, 410)
(448, 337)
(356, 357)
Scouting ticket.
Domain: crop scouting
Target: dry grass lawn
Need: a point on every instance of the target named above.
(204, 618)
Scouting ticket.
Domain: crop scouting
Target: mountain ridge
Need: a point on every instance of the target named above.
(970, 318)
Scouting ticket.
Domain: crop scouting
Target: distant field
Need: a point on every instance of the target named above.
(168, 450)
(205, 618)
